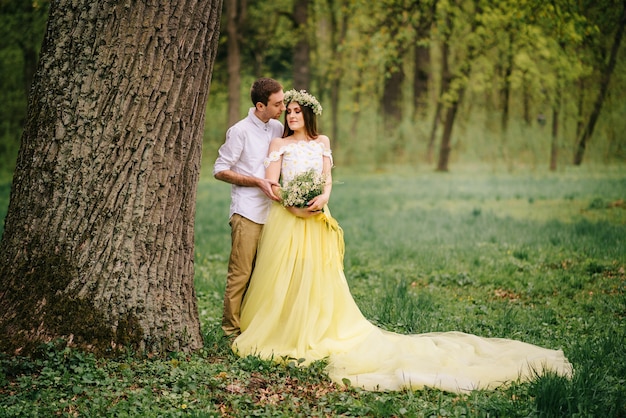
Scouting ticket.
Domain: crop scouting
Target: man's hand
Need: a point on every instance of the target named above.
(266, 186)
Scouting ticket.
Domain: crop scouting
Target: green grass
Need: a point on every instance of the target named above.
(538, 257)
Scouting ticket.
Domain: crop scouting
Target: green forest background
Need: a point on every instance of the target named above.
(508, 84)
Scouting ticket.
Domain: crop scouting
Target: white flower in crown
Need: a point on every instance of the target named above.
(304, 99)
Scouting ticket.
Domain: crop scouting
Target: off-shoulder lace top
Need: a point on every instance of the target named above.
(299, 157)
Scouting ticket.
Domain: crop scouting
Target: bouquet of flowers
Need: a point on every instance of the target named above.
(302, 188)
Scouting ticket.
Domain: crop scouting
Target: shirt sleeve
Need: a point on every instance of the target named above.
(230, 151)
(274, 156)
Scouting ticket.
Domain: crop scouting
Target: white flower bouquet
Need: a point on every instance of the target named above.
(302, 188)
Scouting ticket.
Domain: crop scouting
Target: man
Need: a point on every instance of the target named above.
(240, 163)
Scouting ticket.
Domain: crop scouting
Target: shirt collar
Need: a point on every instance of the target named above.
(258, 122)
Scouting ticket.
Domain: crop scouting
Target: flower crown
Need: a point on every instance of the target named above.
(304, 99)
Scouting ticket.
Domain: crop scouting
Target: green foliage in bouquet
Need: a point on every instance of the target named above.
(302, 188)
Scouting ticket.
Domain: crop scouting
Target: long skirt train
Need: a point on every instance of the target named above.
(299, 307)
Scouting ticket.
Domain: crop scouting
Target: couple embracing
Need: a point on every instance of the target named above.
(286, 295)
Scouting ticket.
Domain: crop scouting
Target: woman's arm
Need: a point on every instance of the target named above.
(318, 202)
(273, 165)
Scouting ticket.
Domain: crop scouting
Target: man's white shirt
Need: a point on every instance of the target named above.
(243, 152)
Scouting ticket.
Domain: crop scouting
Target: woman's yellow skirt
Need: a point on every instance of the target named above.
(299, 307)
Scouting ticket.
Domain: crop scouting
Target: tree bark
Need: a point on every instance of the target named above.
(604, 86)
(98, 244)
(235, 16)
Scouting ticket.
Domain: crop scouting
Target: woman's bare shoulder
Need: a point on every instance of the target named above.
(324, 140)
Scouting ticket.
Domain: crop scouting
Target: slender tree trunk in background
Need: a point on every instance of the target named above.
(335, 90)
(356, 115)
(581, 108)
(505, 93)
(433, 132)
(235, 16)
(422, 59)
(392, 97)
(421, 80)
(338, 32)
(444, 87)
(301, 52)
(462, 75)
(604, 86)
(446, 79)
(505, 97)
(392, 110)
(445, 146)
(98, 244)
(554, 148)
(526, 101)
(446, 136)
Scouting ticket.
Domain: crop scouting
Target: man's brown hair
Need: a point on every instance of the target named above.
(262, 89)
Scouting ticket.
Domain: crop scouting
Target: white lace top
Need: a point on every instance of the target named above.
(299, 157)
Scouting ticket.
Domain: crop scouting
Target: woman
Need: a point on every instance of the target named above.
(299, 307)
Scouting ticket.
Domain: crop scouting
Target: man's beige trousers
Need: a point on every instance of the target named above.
(245, 238)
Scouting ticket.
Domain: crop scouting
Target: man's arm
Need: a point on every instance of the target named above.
(229, 176)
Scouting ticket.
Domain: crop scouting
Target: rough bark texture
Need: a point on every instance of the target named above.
(98, 244)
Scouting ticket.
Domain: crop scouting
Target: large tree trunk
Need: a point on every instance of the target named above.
(98, 244)
(235, 16)
(604, 86)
